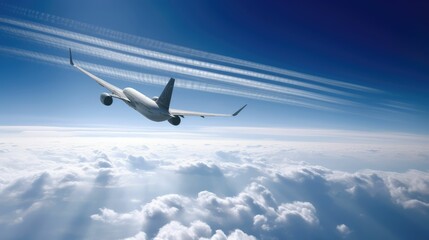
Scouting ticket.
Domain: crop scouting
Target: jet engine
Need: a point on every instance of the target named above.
(174, 120)
(106, 99)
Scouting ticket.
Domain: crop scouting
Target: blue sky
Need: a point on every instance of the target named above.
(350, 43)
(333, 143)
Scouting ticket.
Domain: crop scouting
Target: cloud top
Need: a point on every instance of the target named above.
(221, 190)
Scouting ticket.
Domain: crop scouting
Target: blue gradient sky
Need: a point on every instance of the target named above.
(384, 47)
(337, 149)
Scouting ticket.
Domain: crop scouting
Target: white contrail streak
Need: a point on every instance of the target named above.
(144, 62)
(166, 47)
(183, 56)
(159, 80)
(162, 56)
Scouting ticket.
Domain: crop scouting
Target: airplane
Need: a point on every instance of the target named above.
(156, 109)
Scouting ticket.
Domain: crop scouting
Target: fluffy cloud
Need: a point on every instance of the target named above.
(244, 210)
(200, 169)
(138, 236)
(175, 230)
(343, 229)
(235, 235)
(305, 210)
(141, 163)
(73, 188)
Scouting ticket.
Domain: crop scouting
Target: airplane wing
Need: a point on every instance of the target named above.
(183, 113)
(116, 92)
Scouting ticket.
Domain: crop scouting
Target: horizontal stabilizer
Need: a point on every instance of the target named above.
(183, 113)
(239, 110)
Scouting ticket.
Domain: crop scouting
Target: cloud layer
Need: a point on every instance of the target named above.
(119, 188)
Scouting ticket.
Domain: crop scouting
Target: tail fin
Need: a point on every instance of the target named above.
(71, 59)
(165, 97)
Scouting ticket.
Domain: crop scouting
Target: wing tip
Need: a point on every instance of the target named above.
(239, 110)
(71, 58)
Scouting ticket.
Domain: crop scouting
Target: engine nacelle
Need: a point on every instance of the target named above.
(106, 99)
(174, 120)
(155, 98)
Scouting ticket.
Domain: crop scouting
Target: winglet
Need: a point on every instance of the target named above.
(239, 110)
(71, 59)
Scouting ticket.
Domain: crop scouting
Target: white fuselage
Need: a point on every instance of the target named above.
(146, 106)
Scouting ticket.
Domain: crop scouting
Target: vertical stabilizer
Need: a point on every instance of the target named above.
(71, 58)
(165, 97)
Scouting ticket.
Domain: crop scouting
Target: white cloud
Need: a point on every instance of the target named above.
(200, 169)
(112, 217)
(141, 163)
(235, 235)
(305, 210)
(260, 221)
(175, 230)
(343, 229)
(138, 236)
(190, 190)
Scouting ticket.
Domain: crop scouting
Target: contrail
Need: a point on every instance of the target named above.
(165, 48)
(166, 57)
(131, 76)
(144, 62)
(161, 80)
(171, 48)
